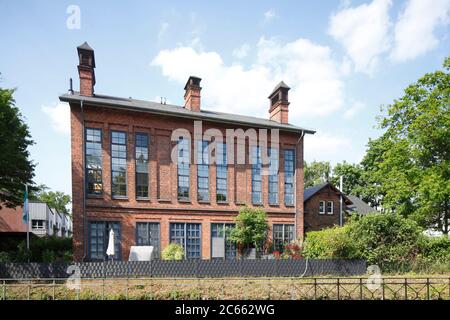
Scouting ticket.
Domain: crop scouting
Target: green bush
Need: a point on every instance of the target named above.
(45, 249)
(387, 240)
(173, 251)
(434, 256)
(251, 227)
(330, 243)
(394, 243)
(4, 257)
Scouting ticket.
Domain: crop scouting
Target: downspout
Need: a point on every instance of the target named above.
(295, 193)
(84, 181)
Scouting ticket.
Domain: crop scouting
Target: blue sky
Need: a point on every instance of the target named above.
(342, 59)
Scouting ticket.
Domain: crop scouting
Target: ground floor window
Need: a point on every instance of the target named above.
(99, 238)
(148, 234)
(189, 236)
(282, 235)
(38, 224)
(221, 246)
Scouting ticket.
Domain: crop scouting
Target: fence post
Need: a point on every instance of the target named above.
(315, 288)
(406, 289)
(127, 287)
(28, 289)
(103, 288)
(4, 290)
(360, 289)
(337, 288)
(428, 288)
(382, 289)
(54, 289)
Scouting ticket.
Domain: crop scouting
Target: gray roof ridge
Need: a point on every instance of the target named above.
(205, 112)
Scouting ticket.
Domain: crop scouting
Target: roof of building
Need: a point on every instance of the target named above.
(85, 46)
(280, 85)
(309, 192)
(179, 111)
(359, 206)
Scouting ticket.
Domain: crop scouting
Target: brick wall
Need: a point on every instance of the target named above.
(315, 221)
(162, 204)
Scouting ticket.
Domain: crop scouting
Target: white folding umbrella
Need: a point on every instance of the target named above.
(110, 250)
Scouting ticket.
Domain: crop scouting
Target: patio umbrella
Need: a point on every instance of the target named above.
(110, 250)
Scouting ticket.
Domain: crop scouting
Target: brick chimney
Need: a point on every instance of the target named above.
(86, 69)
(279, 103)
(192, 94)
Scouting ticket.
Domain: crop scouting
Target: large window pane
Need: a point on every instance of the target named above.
(219, 233)
(188, 235)
(148, 234)
(118, 164)
(273, 176)
(93, 169)
(289, 160)
(256, 176)
(202, 171)
(282, 235)
(141, 154)
(183, 168)
(99, 239)
(221, 173)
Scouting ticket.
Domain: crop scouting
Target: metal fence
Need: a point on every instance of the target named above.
(188, 268)
(351, 288)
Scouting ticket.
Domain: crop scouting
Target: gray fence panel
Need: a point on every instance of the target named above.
(187, 268)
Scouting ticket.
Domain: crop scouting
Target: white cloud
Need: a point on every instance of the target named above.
(306, 67)
(270, 15)
(323, 146)
(364, 33)
(353, 110)
(414, 30)
(59, 115)
(242, 51)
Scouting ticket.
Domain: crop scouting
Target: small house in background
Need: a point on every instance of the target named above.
(322, 207)
(43, 221)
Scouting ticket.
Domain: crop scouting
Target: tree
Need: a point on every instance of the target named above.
(251, 227)
(409, 165)
(55, 199)
(353, 175)
(316, 172)
(16, 168)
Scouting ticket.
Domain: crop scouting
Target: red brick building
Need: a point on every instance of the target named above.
(322, 207)
(124, 176)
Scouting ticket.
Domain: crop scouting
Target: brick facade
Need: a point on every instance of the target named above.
(162, 204)
(315, 221)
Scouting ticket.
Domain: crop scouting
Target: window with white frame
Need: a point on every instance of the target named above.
(321, 207)
(38, 224)
(330, 207)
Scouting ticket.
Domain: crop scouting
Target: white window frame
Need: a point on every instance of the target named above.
(37, 225)
(324, 207)
(332, 208)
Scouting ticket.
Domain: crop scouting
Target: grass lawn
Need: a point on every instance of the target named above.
(389, 287)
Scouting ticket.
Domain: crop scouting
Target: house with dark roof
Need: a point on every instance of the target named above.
(157, 173)
(322, 207)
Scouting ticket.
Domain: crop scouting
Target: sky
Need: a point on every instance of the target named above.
(342, 60)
